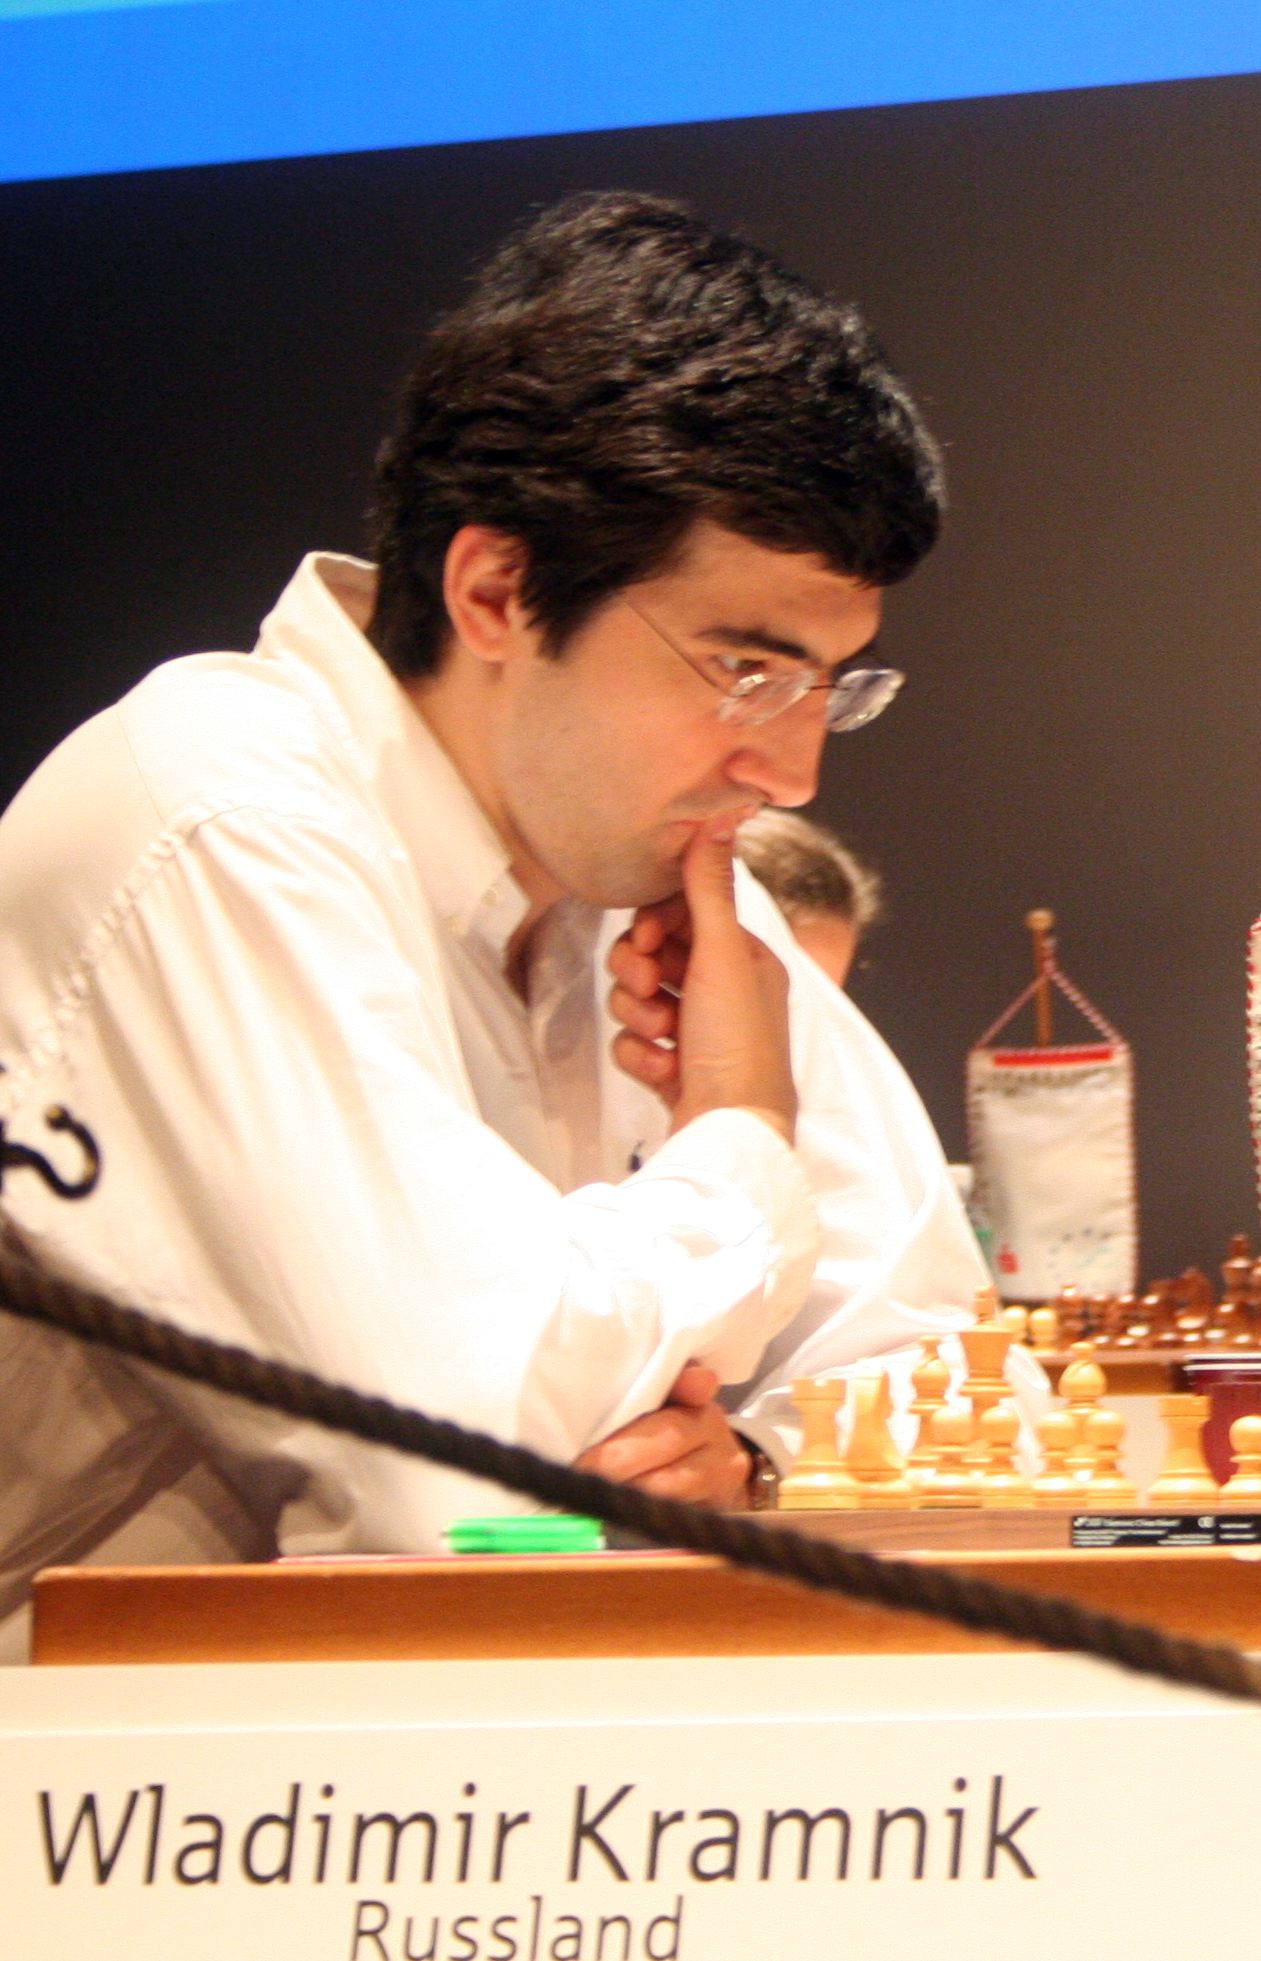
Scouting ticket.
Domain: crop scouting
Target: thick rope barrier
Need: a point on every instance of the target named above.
(940, 1591)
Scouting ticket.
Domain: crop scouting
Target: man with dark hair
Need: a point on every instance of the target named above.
(318, 939)
(618, 373)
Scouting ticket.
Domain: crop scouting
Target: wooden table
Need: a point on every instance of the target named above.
(620, 1603)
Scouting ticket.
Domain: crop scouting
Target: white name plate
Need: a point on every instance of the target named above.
(627, 1810)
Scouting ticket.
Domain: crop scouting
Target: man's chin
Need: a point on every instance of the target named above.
(664, 887)
(627, 887)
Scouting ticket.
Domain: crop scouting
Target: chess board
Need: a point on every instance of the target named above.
(1177, 1343)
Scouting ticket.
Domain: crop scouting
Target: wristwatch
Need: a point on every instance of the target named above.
(763, 1485)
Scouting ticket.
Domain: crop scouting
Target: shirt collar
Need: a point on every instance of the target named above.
(318, 625)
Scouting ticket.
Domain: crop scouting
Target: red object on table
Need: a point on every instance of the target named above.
(1232, 1384)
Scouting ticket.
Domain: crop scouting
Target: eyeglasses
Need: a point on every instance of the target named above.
(754, 690)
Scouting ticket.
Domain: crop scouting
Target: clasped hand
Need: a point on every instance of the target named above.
(686, 1449)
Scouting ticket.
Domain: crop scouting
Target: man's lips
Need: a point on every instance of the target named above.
(738, 813)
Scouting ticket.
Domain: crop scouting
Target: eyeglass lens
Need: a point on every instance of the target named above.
(859, 696)
(853, 699)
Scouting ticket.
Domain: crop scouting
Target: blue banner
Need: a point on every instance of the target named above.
(110, 85)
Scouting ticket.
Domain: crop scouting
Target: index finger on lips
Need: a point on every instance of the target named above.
(708, 877)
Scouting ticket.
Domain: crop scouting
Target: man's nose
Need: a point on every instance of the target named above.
(779, 759)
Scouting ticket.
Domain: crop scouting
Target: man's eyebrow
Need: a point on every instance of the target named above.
(761, 640)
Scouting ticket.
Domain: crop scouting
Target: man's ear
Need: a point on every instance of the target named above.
(481, 585)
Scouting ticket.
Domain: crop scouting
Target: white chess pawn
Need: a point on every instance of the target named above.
(1017, 1319)
(951, 1482)
(1044, 1329)
(1106, 1483)
(930, 1379)
(985, 1349)
(1055, 1487)
(1081, 1386)
(1002, 1484)
(1245, 1444)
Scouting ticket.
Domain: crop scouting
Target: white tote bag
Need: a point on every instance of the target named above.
(1051, 1131)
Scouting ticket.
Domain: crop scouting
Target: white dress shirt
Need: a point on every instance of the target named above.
(254, 936)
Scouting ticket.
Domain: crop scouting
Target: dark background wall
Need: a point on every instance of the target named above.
(197, 365)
